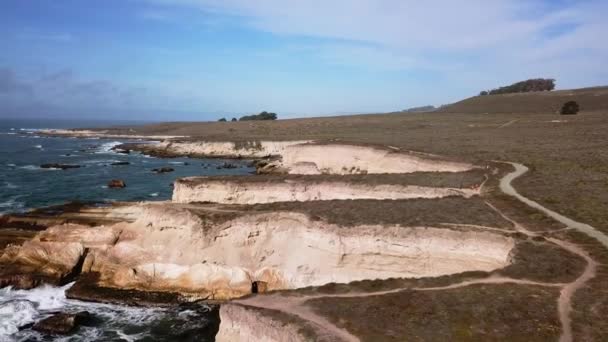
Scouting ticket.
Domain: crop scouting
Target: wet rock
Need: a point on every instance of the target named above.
(120, 163)
(88, 288)
(62, 323)
(163, 170)
(24, 281)
(59, 166)
(117, 184)
(123, 149)
(227, 166)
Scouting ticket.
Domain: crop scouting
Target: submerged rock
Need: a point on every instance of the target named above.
(59, 166)
(120, 163)
(117, 184)
(227, 166)
(163, 170)
(62, 323)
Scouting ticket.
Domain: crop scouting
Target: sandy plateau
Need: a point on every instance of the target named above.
(227, 238)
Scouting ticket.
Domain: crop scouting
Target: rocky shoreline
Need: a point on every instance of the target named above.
(323, 214)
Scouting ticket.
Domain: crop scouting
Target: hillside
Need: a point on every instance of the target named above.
(590, 100)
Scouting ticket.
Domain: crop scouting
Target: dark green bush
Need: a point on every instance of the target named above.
(222, 120)
(570, 108)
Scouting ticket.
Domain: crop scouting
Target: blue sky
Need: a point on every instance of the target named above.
(204, 59)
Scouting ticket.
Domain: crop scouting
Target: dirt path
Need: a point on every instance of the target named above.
(507, 188)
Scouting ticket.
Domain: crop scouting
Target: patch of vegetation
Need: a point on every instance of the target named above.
(537, 84)
(222, 120)
(421, 109)
(473, 313)
(570, 108)
(544, 262)
(259, 117)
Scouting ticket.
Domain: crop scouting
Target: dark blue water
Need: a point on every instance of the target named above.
(24, 185)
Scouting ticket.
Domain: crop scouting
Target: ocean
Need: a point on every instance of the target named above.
(24, 185)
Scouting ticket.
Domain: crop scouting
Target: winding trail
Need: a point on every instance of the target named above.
(507, 188)
(296, 305)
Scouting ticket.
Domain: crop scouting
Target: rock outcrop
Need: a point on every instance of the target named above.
(59, 166)
(62, 323)
(117, 184)
(242, 323)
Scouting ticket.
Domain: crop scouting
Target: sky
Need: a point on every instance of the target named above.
(174, 60)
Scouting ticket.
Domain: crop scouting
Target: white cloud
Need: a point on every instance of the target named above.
(507, 38)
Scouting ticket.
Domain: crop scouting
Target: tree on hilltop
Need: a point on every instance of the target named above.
(262, 116)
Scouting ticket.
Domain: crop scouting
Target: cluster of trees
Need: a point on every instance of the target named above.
(255, 117)
(262, 116)
(537, 84)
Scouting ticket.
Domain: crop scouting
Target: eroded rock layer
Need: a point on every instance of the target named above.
(236, 190)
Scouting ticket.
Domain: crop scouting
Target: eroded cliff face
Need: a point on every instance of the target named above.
(170, 248)
(240, 323)
(309, 158)
(252, 149)
(208, 189)
(345, 159)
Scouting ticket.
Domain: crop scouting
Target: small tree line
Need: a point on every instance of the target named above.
(537, 84)
(254, 117)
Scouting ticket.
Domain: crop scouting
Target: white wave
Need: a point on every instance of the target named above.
(100, 161)
(11, 203)
(22, 307)
(154, 194)
(30, 167)
(11, 165)
(38, 146)
(178, 163)
(12, 129)
(10, 185)
(107, 147)
(15, 314)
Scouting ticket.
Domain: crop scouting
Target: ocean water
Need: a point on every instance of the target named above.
(20, 309)
(24, 185)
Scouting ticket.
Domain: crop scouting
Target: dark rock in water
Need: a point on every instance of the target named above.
(117, 184)
(59, 166)
(120, 163)
(62, 323)
(121, 149)
(163, 170)
(24, 281)
(227, 166)
(87, 288)
(186, 163)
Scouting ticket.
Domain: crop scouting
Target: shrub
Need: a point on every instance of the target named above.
(222, 120)
(233, 120)
(262, 116)
(570, 108)
(483, 93)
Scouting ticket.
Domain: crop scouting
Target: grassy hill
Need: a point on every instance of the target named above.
(590, 100)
